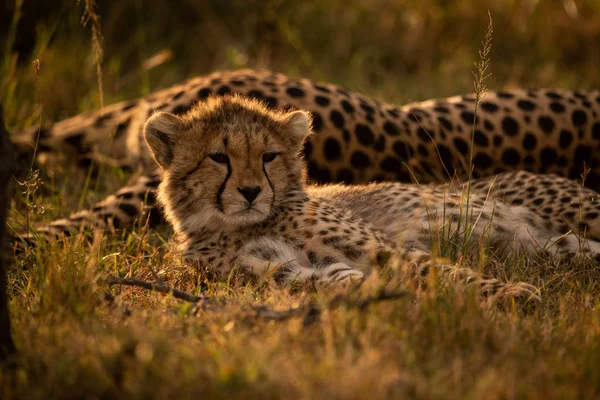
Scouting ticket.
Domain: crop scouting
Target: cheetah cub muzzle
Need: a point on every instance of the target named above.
(233, 188)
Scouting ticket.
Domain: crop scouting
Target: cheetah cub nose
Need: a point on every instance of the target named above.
(250, 192)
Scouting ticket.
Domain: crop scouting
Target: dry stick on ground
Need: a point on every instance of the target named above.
(7, 346)
(157, 287)
(310, 311)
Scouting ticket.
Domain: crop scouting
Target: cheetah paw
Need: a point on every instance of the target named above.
(340, 273)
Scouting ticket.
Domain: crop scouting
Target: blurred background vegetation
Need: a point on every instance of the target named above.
(395, 50)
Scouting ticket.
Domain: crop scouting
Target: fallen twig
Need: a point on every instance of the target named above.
(157, 287)
(310, 311)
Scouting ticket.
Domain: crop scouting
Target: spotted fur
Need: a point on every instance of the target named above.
(211, 155)
(359, 140)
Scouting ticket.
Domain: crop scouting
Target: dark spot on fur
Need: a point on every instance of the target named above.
(322, 101)
(489, 107)
(590, 216)
(546, 124)
(346, 135)
(583, 154)
(125, 195)
(553, 95)
(529, 142)
(511, 157)
(596, 131)
(468, 117)
(178, 95)
(557, 107)
(223, 90)
(367, 108)
(526, 105)
(181, 109)
(122, 128)
(380, 143)
(256, 94)
(402, 151)
(364, 135)
(317, 124)
(345, 176)
(446, 156)
(337, 118)
(203, 93)
(271, 102)
(347, 107)
(510, 126)
(76, 140)
(461, 145)
(391, 128)
(295, 92)
(548, 155)
(321, 88)
(423, 135)
(102, 119)
(318, 174)
(505, 95)
(308, 148)
(579, 117)
(391, 164)
(332, 149)
(482, 160)
(566, 138)
(360, 160)
(129, 105)
(480, 139)
(129, 209)
(446, 123)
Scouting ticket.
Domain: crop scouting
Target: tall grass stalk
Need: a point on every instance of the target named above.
(480, 75)
(90, 15)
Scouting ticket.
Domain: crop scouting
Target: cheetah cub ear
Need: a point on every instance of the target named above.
(160, 132)
(298, 124)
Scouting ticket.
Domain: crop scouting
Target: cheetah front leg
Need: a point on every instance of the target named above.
(291, 264)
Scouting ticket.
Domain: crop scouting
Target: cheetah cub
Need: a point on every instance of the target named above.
(233, 188)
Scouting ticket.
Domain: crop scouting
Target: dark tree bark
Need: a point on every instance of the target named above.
(7, 165)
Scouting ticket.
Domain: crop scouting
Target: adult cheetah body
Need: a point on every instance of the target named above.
(359, 140)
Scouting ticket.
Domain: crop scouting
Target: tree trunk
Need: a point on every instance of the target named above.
(7, 165)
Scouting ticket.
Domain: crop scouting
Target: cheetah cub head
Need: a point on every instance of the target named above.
(228, 162)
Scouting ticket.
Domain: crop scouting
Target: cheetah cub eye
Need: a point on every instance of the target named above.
(220, 158)
(268, 157)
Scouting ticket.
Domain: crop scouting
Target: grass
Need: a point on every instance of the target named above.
(79, 337)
